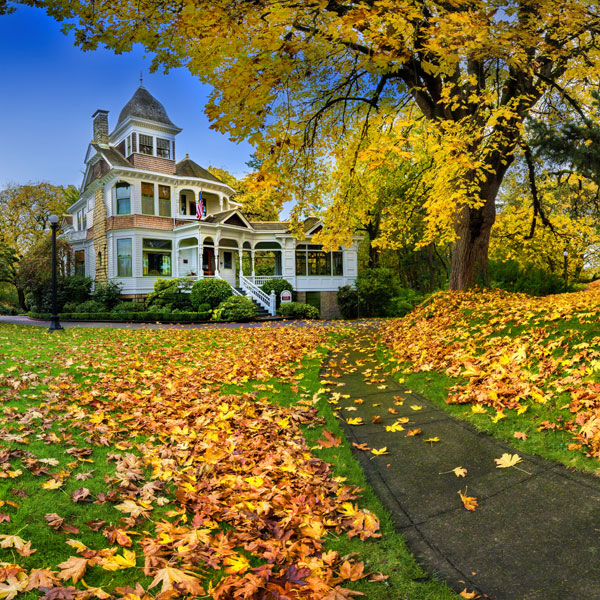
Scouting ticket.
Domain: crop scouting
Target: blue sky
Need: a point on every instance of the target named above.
(49, 90)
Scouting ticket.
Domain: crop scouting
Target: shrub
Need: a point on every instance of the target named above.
(298, 310)
(236, 308)
(277, 285)
(511, 277)
(204, 307)
(108, 294)
(347, 299)
(376, 288)
(75, 289)
(210, 291)
(70, 307)
(404, 302)
(7, 309)
(91, 306)
(127, 307)
(174, 293)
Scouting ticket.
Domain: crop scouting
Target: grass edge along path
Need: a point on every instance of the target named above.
(520, 368)
(417, 589)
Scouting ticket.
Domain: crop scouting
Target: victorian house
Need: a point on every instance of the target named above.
(142, 215)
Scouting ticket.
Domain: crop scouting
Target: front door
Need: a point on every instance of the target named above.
(208, 261)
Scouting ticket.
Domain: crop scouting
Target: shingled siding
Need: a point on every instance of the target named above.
(146, 221)
(100, 245)
(153, 163)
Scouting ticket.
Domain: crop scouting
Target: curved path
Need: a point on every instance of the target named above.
(536, 532)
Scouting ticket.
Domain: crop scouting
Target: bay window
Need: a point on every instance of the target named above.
(123, 198)
(147, 198)
(312, 261)
(164, 200)
(156, 257)
(124, 267)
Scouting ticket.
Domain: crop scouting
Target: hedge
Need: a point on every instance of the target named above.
(138, 317)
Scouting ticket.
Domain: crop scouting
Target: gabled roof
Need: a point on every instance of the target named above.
(311, 223)
(111, 155)
(144, 105)
(229, 217)
(188, 168)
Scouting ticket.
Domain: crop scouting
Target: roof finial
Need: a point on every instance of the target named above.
(141, 80)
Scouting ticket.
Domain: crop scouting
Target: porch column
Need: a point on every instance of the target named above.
(253, 273)
(177, 253)
(217, 257)
(199, 269)
(240, 256)
(221, 202)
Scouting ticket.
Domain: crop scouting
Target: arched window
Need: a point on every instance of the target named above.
(123, 197)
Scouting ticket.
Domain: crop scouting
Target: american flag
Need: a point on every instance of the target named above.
(199, 207)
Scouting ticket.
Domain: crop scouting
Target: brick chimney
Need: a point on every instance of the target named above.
(101, 126)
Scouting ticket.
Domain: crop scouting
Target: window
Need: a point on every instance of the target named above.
(128, 145)
(123, 195)
(184, 204)
(164, 200)
(311, 260)
(157, 257)
(79, 262)
(79, 221)
(146, 145)
(147, 198)
(124, 258)
(84, 218)
(163, 148)
(227, 260)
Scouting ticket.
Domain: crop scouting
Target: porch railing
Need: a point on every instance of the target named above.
(266, 301)
(261, 279)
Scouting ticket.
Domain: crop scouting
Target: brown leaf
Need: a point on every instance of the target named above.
(73, 568)
(82, 494)
(41, 578)
(330, 441)
(340, 593)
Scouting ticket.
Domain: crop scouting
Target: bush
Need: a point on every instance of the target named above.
(91, 306)
(75, 289)
(298, 310)
(174, 293)
(70, 307)
(127, 307)
(236, 308)
(7, 309)
(108, 294)
(347, 299)
(511, 277)
(210, 291)
(376, 288)
(277, 285)
(404, 302)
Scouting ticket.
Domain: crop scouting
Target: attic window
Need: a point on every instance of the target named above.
(146, 145)
(163, 148)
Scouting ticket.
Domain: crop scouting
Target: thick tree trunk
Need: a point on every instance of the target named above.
(473, 228)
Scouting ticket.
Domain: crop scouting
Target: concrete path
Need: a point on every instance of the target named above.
(23, 320)
(536, 532)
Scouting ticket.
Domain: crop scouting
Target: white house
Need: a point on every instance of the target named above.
(135, 220)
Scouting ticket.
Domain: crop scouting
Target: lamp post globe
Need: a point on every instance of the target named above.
(54, 322)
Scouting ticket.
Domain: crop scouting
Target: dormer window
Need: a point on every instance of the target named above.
(163, 148)
(146, 145)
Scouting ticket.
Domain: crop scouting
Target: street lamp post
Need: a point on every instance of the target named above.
(54, 322)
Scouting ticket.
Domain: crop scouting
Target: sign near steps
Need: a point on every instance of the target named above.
(286, 296)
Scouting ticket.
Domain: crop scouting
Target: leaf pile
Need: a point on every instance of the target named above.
(236, 488)
(511, 351)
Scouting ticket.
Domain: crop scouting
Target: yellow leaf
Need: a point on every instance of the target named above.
(355, 421)
(432, 439)
(478, 409)
(52, 484)
(116, 562)
(380, 451)
(507, 460)
(460, 472)
(416, 407)
(236, 564)
(254, 481)
(499, 415)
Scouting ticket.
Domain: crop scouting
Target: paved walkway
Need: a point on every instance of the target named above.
(23, 320)
(536, 532)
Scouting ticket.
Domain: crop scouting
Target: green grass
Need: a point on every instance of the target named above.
(387, 554)
(32, 352)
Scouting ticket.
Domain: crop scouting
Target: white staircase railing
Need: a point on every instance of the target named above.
(266, 301)
(260, 279)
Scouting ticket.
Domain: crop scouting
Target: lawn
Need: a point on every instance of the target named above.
(143, 463)
(521, 368)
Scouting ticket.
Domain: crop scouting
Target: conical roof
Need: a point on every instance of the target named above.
(144, 105)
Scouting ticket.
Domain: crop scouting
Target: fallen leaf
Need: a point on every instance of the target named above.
(73, 568)
(507, 460)
(470, 502)
(520, 435)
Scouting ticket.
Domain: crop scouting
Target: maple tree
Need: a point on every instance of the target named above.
(303, 81)
(25, 211)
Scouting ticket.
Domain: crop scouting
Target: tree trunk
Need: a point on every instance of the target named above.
(21, 298)
(473, 227)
